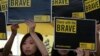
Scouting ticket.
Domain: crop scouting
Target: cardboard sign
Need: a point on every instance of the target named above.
(92, 9)
(67, 10)
(3, 5)
(3, 35)
(93, 15)
(91, 5)
(21, 10)
(71, 34)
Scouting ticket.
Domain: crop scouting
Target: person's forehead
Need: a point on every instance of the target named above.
(29, 39)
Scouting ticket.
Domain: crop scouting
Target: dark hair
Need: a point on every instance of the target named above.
(72, 53)
(37, 53)
(1, 50)
(55, 53)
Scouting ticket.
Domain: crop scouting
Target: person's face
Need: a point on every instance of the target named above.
(29, 47)
(62, 52)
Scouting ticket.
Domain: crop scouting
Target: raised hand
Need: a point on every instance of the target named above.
(79, 52)
(14, 28)
(86, 53)
(31, 24)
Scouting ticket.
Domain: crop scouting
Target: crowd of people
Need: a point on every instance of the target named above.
(32, 44)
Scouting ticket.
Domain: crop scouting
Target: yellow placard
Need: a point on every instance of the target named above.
(19, 3)
(3, 5)
(66, 26)
(91, 5)
(42, 18)
(2, 36)
(80, 15)
(60, 2)
(88, 46)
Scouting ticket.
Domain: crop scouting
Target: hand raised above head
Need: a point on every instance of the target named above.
(14, 28)
(79, 52)
(31, 24)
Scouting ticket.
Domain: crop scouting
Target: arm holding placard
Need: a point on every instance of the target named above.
(9, 43)
(98, 41)
(36, 39)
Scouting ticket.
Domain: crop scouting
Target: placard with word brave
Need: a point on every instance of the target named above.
(21, 10)
(71, 34)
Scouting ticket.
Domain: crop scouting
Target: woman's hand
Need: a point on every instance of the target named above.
(31, 24)
(8, 45)
(98, 28)
(98, 40)
(14, 28)
(79, 52)
(86, 53)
